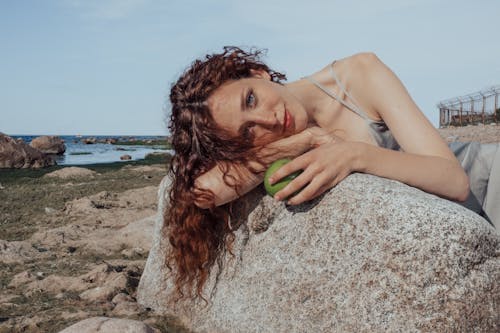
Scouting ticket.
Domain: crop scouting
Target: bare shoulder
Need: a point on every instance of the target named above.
(384, 94)
(360, 61)
(353, 71)
(358, 65)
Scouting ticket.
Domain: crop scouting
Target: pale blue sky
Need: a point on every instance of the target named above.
(105, 66)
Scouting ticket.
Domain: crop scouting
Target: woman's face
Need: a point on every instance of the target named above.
(257, 107)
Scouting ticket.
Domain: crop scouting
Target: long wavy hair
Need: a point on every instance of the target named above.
(198, 237)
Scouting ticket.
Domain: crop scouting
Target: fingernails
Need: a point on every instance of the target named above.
(277, 197)
(271, 180)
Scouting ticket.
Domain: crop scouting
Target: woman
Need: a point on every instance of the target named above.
(232, 116)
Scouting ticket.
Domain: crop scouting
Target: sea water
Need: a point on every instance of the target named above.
(78, 152)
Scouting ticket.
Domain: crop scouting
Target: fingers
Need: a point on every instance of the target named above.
(315, 188)
(292, 166)
(295, 185)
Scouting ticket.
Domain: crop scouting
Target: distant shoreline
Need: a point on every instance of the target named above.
(88, 150)
(10, 175)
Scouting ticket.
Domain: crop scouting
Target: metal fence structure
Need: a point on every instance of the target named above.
(479, 107)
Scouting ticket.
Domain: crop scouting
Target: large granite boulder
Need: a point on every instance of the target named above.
(371, 255)
(17, 154)
(49, 144)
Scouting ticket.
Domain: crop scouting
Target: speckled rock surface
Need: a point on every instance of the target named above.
(371, 255)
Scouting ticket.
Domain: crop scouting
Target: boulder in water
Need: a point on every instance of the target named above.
(17, 154)
(49, 144)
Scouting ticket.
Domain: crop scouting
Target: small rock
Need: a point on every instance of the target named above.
(71, 172)
(125, 157)
(121, 297)
(89, 141)
(49, 210)
(1, 187)
(134, 252)
(109, 325)
(127, 309)
(103, 293)
(39, 275)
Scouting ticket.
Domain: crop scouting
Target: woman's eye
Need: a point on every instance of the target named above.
(251, 99)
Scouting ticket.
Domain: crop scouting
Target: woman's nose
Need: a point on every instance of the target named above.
(267, 119)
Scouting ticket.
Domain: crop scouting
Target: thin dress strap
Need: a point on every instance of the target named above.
(351, 106)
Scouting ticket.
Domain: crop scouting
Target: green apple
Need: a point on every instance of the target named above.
(276, 187)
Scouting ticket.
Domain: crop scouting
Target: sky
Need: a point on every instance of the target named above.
(105, 67)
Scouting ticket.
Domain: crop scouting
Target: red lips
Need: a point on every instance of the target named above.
(288, 120)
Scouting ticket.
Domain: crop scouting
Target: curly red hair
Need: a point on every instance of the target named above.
(198, 236)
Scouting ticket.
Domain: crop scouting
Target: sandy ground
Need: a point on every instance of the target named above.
(73, 242)
(480, 133)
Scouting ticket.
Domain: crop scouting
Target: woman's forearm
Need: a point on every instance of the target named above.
(213, 179)
(432, 174)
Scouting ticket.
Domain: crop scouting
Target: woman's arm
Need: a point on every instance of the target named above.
(426, 163)
(433, 174)
(291, 146)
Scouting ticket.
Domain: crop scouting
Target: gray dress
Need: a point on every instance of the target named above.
(481, 162)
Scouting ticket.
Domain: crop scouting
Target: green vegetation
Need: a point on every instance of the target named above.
(81, 153)
(163, 144)
(26, 193)
(8, 176)
(125, 149)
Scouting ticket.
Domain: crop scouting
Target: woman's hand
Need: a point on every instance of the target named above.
(323, 167)
(212, 180)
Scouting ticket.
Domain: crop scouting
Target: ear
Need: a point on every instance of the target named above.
(260, 74)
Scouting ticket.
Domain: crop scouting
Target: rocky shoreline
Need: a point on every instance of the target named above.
(31, 152)
(73, 243)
